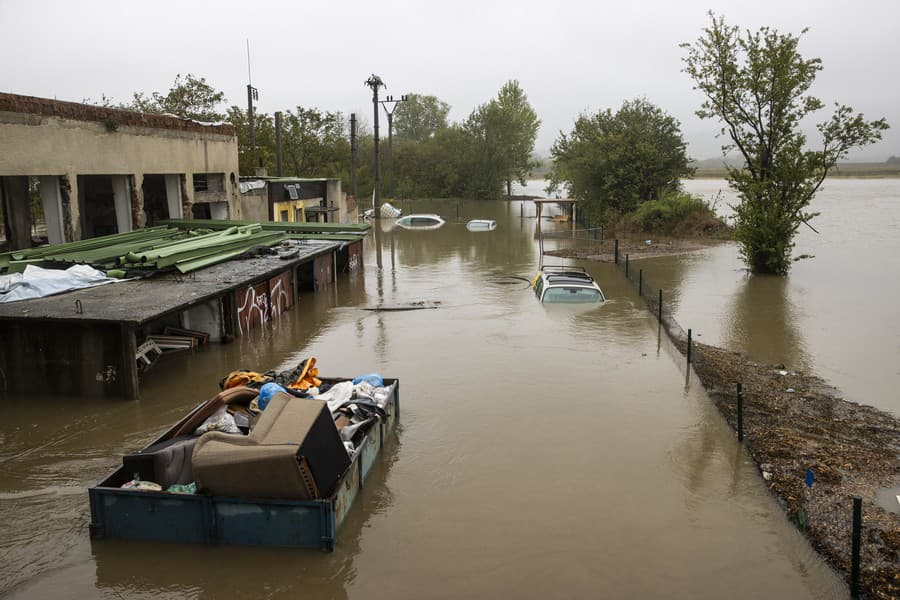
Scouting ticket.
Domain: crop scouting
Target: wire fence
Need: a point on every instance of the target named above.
(655, 299)
(588, 234)
(700, 358)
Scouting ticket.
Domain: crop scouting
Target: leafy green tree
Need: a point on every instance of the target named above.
(501, 135)
(518, 127)
(314, 143)
(264, 137)
(620, 160)
(189, 97)
(420, 117)
(756, 85)
(481, 153)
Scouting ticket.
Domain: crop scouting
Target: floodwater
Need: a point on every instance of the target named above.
(834, 315)
(543, 451)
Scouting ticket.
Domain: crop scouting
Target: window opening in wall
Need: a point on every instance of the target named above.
(38, 220)
(156, 205)
(284, 216)
(201, 210)
(209, 182)
(200, 182)
(3, 244)
(22, 220)
(97, 206)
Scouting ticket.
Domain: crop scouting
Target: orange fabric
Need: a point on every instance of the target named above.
(236, 378)
(307, 378)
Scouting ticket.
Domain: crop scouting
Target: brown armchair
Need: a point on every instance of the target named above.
(293, 452)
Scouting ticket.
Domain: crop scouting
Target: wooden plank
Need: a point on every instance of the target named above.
(201, 336)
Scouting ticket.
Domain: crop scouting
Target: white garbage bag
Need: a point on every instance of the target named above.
(36, 282)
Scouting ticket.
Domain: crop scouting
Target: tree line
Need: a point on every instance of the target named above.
(630, 161)
(479, 157)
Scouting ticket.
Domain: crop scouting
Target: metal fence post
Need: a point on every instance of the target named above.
(689, 347)
(740, 413)
(854, 552)
(626, 266)
(660, 306)
(641, 283)
(616, 252)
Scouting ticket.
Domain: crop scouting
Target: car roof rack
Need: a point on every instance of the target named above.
(563, 268)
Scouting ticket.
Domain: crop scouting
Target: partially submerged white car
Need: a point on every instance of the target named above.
(421, 221)
(566, 284)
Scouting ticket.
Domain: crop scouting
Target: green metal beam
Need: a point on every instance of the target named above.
(270, 225)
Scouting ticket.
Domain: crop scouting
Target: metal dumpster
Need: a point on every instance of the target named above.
(202, 519)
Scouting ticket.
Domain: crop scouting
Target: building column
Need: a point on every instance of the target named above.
(333, 198)
(122, 198)
(233, 192)
(173, 196)
(51, 198)
(138, 216)
(71, 216)
(187, 195)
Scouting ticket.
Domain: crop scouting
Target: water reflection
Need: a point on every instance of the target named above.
(762, 322)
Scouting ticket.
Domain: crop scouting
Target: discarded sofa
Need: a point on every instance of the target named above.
(294, 452)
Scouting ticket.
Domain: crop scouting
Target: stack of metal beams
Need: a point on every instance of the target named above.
(180, 245)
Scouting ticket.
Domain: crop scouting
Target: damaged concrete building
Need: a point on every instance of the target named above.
(71, 172)
(99, 170)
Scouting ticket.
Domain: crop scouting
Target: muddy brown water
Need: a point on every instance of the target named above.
(543, 451)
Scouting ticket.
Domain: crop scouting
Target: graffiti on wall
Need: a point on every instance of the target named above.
(253, 307)
(263, 302)
(280, 296)
(354, 256)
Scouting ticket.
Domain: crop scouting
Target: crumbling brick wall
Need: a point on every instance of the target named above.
(109, 116)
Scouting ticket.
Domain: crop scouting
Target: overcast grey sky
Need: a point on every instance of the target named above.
(569, 56)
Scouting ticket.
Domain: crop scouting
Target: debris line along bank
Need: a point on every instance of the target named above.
(815, 450)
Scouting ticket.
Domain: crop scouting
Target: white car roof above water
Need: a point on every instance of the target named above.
(421, 221)
(566, 284)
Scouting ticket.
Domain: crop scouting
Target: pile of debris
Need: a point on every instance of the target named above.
(795, 424)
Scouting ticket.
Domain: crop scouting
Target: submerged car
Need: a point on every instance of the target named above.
(423, 221)
(566, 284)
(481, 225)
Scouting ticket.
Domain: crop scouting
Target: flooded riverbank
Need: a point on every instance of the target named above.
(543, 451)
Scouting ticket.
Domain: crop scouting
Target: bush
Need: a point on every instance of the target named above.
(673, 210)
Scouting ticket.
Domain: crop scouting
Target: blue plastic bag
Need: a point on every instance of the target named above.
(266, 392)
(374, 379)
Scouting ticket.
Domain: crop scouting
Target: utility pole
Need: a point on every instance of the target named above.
(252, 95)
(390, 102)
(375, 82)
(354, 156)
(278, 143)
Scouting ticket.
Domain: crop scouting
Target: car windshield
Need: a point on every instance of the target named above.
(572, 294)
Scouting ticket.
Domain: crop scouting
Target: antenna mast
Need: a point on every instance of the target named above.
(252, 94)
